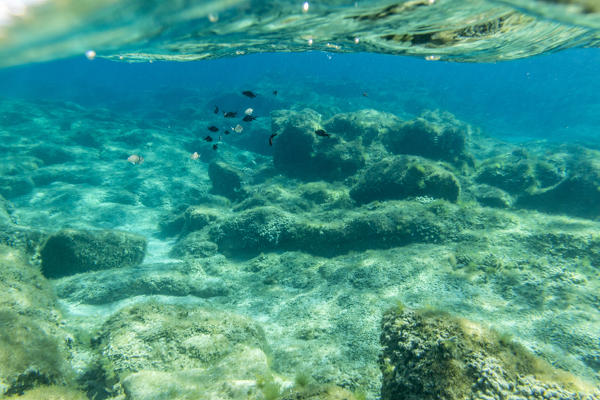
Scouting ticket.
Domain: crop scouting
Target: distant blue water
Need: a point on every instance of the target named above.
(553, 96)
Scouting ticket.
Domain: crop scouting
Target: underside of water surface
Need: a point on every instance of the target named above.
(309, 225)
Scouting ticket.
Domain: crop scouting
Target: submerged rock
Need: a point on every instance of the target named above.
(430, 355)
(73, 251)
(174, 352)
(578, 194)
(32, 346)
(301, 153)
(399, 177)
(102, 287)
(435, 135)
(226, 181)
(490, 196)
(366, 124)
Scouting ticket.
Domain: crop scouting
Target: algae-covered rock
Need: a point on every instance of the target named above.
(193, 218)
(429, 355)
(391, 224)
(299, 152)
(73, 251)
(51, 393)
(512, 172)
(108, 286)
(366, 124)
(226, 180)
(179, 352)
(399, 177)
(490, 196)
(194, 245)
(435, 135)
(255, 230)
(578, 194)
(32, 346)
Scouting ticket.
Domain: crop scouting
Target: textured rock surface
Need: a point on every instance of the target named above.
(72, 251)
(226, 181)
(400, 177)
(364, 124)
(435, 135)
(431, 355)
(32, 345)
(168, 351)
(300, 153)
(112, 285)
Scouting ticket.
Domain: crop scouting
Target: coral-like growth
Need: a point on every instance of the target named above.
(431, 355)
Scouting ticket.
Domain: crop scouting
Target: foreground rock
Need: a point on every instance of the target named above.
(72, 251)
(176, 352)
(400, 177)
(429, 355)
(33, 349)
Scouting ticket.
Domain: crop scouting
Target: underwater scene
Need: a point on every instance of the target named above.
(328, 200)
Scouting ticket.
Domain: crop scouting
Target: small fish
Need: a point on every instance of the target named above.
(249, 111)
(213, 128)
(322, 133)
(195, 156)
(135, 159)
(249, 118)
(238, 128)
(249, 93)
(208, 139)
(226, 132)
(215, 147)
(216, 110)
(274, 92)
(230, 114)
(271, 139)
(365, 94)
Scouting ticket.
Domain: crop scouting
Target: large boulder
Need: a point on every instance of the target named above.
(71, 251)
(399, 177)
(32, 345)
(429, 355)
(226, 181)
(364, 124)
(435, 135)
(577, 194)
(299, 152)
(176, 352)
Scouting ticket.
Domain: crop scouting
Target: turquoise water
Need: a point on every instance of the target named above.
(406, 207)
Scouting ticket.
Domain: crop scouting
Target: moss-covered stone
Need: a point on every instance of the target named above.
(226, 181)
(73, 251)
(435, 135)
(32, 346)
(399, 177)
(577, 194)
(432, 355)
(178, 352)
(364, 124)
(299, 152)
(490, 196)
